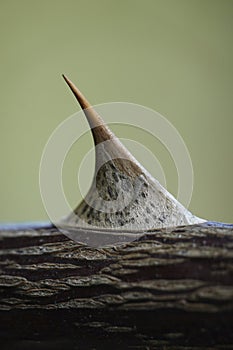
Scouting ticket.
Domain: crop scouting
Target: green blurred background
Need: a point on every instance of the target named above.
(174, 56)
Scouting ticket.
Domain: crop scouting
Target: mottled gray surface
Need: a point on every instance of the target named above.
(129, 201)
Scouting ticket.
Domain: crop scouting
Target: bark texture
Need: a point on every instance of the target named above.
(171, 289)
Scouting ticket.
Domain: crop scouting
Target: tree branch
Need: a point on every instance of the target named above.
(171, 289)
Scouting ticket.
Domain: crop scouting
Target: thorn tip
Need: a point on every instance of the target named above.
(101, 133)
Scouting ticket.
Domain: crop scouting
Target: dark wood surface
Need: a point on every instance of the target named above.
(171, 289)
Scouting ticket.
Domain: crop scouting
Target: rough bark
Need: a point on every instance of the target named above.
(171, 289)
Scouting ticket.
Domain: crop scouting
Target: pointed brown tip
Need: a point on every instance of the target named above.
(101, 133)
(79, 96)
